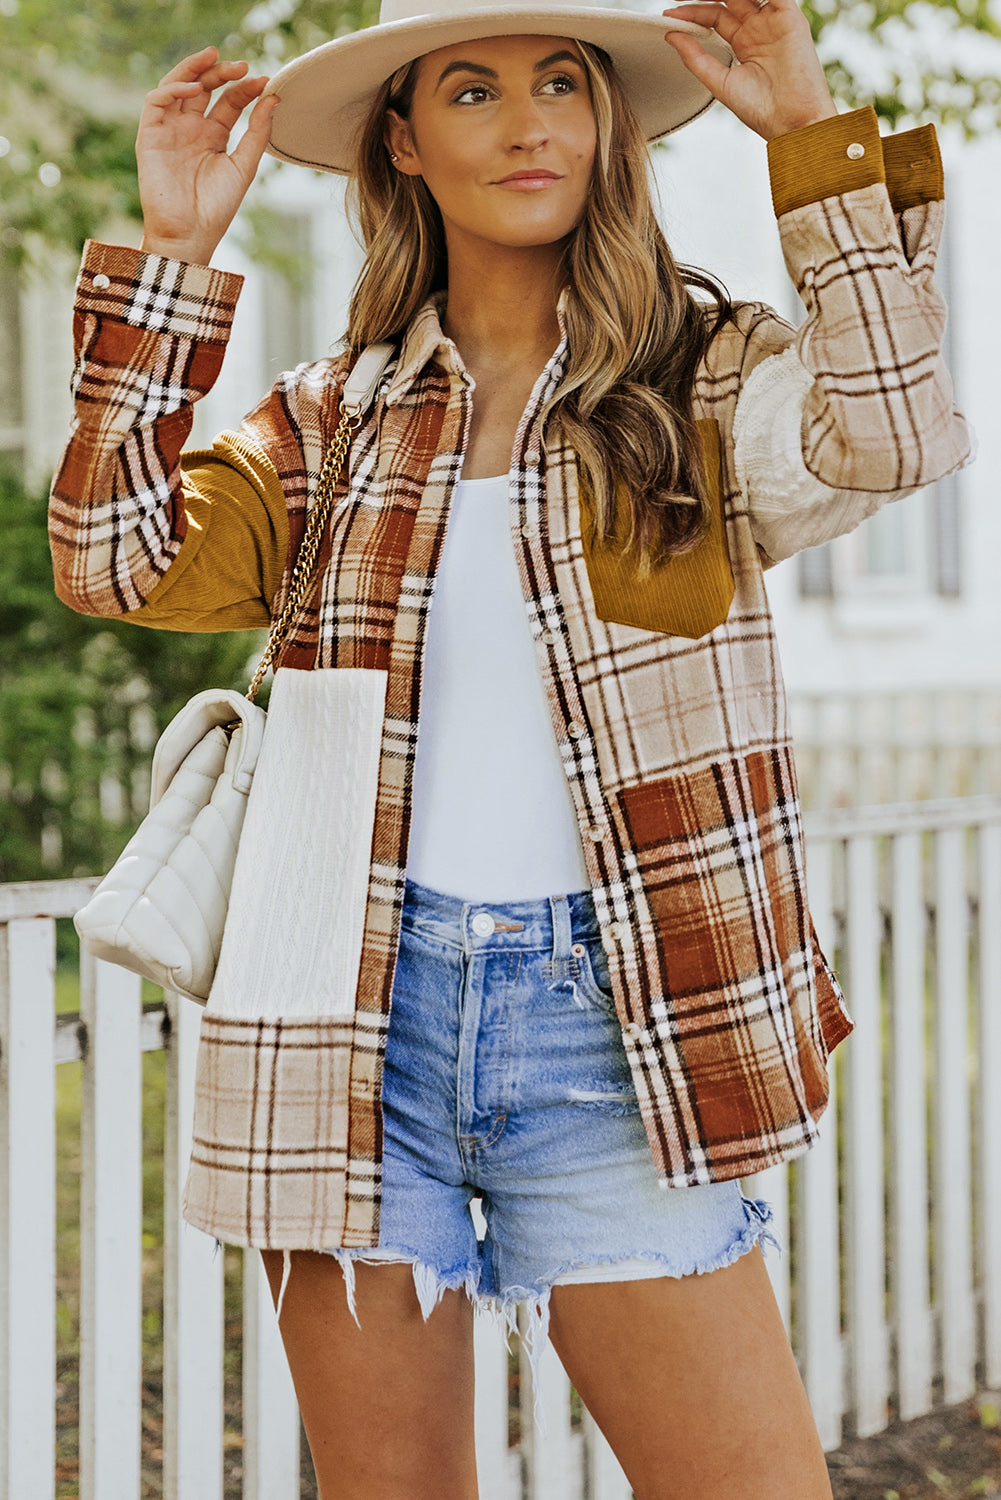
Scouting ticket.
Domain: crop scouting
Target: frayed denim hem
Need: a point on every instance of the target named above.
(429, 1283)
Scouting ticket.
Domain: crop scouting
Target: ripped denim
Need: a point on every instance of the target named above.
(506, 1080)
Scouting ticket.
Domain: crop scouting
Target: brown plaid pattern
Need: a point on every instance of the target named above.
(677, 751)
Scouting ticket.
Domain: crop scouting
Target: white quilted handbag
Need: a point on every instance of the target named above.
(161, 909)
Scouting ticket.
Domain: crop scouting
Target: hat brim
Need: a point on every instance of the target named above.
(326, 94)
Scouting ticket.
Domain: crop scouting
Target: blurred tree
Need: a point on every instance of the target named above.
(74, 76)
(72, 85)
(82, 702)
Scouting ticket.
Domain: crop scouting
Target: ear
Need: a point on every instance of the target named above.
(400, 143)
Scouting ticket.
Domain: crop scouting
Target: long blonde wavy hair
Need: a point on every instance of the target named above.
(636, 333)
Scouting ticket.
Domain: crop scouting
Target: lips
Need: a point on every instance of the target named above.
(531, 176)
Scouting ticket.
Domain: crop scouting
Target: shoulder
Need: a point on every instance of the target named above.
(754, 333)
(303, 398)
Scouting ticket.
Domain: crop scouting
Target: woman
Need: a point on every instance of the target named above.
(585, 894)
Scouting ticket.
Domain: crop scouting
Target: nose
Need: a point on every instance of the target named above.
(525, 126)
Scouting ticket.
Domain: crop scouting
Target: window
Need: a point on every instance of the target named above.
(11, 383)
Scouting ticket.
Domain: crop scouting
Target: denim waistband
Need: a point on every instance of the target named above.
(550, 924)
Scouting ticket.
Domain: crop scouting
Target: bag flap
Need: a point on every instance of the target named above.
(200, 715)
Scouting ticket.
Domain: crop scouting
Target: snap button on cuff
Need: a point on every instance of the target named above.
(856, 150)
(483, 924)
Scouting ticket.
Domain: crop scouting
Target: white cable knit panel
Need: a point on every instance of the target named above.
(292, 943)
(788, 507)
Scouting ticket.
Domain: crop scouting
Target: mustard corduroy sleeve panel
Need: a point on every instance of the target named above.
(229, 568)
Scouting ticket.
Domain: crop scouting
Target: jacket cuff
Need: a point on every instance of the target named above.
(847, 152)
(156, 293)
(913, 165)
(825, 159)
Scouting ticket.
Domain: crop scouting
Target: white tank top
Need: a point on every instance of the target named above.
(492, 816)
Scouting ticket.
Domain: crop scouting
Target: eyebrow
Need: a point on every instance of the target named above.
(459, 66)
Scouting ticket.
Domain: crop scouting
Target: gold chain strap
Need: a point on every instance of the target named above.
(306, 561)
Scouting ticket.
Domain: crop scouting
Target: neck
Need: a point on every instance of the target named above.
(502, 304)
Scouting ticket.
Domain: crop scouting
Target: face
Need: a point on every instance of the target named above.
(503, 133)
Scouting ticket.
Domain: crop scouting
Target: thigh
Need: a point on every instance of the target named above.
(694, 1384)
(387, 1406)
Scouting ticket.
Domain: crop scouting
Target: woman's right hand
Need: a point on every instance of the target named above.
(190, 189)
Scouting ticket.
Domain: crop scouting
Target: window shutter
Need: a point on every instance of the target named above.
(816, 573)
(946, 518)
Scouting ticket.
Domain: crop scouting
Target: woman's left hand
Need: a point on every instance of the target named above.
(780, 83)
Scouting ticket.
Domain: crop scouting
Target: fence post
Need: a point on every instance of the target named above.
(549, 1457)
(270, 1409)
(953, 1230)
(493, 1462)
(864, 1238)
(989, 1096)
(909, 1133)
(27, 1208)
(192, 1294)
(111, 1234)
(818, 1253)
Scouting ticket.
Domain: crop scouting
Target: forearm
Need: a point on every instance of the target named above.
(880, 415)
(149, 340)
(859, 408)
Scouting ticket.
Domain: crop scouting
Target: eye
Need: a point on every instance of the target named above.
(479, 89)
(562, 83)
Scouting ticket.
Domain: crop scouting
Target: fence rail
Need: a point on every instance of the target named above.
(889, 1284)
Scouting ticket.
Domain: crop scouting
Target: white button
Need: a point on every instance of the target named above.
(576, 730)
(548, 638)
(101, 281)
(532, 456)
(856, 150)
(483, 924)
(615, 930)
(596, 831)
(530, 531)
(632, 1030)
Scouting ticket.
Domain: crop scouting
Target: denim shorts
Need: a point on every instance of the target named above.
(506, 1082)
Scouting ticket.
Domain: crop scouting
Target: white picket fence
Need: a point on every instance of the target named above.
(893, 1304)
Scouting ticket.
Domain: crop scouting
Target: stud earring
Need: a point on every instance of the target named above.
(393, 156)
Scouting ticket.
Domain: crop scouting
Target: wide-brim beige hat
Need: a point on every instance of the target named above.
(327, 93)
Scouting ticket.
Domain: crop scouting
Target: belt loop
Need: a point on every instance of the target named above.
(562, 933)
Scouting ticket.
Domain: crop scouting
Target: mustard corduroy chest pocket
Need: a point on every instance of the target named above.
(689, 594)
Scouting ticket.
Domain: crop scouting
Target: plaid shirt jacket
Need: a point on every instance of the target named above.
(676, 750)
